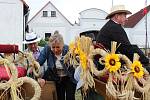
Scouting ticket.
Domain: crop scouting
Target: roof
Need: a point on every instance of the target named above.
(25, 7)
(44, 7)
(92, 9)
(24, 3)
(135, 18)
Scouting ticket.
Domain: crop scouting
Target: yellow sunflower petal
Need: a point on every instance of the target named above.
(115, 65)
(115, 56)
(137, 69)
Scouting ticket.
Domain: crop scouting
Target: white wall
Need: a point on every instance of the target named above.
(92, 19)
(91, 24)
(138, 33)
(11, 22)
(93, 13)
(42, 25)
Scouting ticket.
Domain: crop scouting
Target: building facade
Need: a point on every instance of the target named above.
(13, 20)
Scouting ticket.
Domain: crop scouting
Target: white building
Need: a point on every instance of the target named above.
(14, 15)
(49, 19)
(137, 26)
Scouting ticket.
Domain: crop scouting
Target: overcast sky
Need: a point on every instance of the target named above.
(71, 8)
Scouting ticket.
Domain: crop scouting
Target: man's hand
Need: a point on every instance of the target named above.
(41, 82)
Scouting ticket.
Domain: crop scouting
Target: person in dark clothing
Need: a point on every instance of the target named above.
(58, 71)
(113, 31)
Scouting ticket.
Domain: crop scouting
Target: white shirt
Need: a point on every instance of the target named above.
(58, 64)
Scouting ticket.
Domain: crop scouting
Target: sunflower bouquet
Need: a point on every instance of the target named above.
(140, 78)
(123, 78)
(117, 81)
(83, 49)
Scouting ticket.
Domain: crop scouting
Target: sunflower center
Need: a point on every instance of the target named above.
(137, 69)
(112, 62)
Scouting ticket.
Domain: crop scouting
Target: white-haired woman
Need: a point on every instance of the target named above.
(57, 71)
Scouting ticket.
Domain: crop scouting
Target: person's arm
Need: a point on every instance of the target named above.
(43, 56)
(129, 51)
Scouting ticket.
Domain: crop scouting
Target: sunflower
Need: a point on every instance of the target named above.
(83, 59)
(137, 69)
(112, 62)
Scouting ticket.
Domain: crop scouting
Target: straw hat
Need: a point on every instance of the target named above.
(117, 9)
(31, 38)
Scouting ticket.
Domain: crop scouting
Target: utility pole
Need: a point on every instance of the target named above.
(146, 35)
(112, 3)
(146, 40)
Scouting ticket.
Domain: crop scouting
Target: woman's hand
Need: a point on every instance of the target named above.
(41, 82)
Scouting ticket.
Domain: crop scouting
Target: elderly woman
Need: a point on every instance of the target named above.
(58, 71)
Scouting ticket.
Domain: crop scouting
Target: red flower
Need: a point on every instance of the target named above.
(145, 11)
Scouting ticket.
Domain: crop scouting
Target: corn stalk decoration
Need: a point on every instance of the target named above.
(83, 49)
(14, 82)
(122, 82)
(26, 60)
(140, 78)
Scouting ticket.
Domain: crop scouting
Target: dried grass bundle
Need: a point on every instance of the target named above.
(14, 82)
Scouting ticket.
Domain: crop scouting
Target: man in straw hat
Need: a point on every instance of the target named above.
(31, 40)
(113, 31)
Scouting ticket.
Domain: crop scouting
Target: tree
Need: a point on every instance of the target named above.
(42, 43)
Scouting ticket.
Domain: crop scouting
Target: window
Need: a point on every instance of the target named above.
(47, 35)
(53, 13)
(45, 13)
